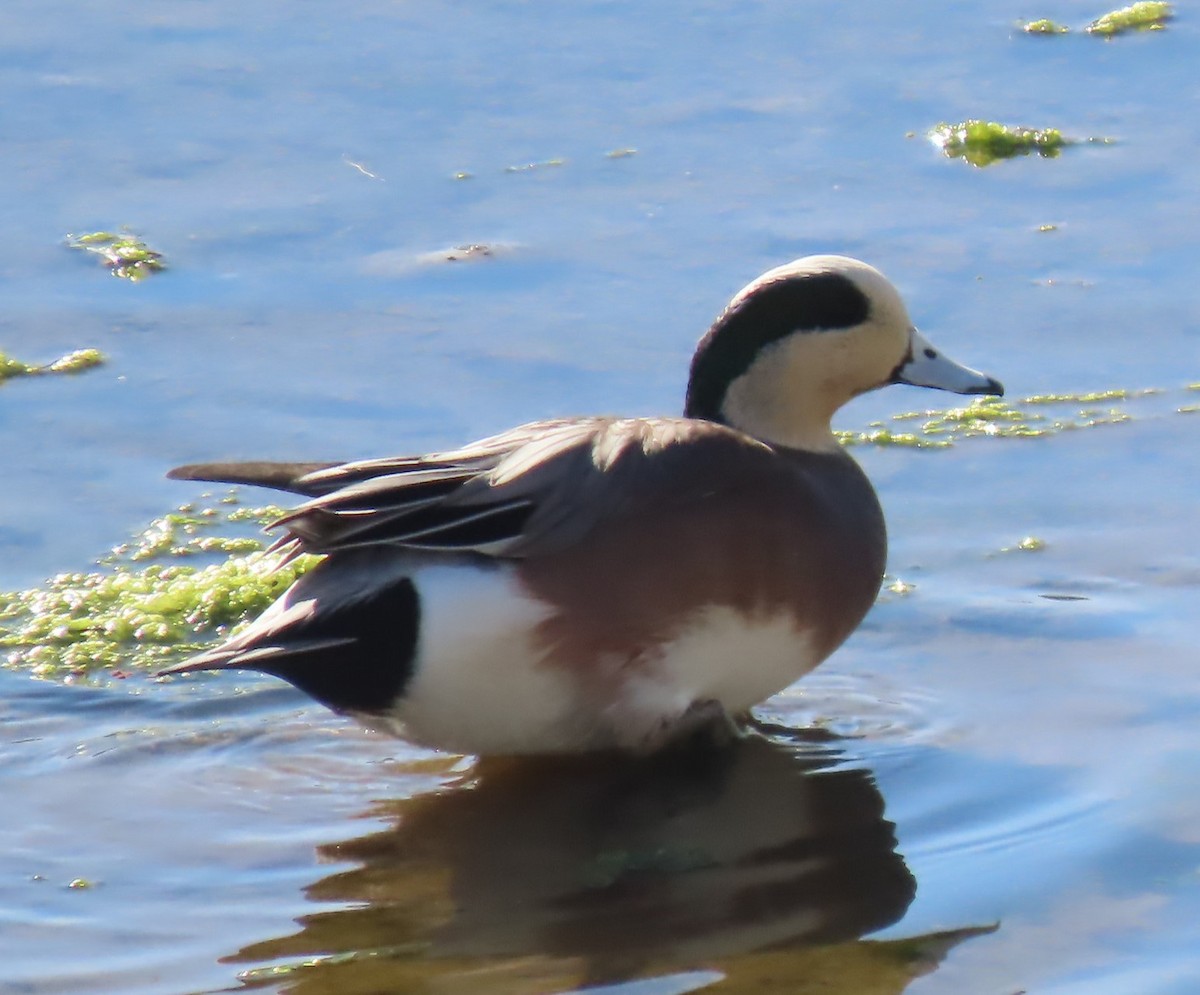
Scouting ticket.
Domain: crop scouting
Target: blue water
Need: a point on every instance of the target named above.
(1024, 722)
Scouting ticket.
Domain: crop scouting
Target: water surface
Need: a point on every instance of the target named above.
(1003, 793)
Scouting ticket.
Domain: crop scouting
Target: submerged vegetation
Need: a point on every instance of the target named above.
(983, 142)
(143, 605)
(124, 253)
(994, 417)
(1044, 26)
(1147, 15)
(72, 362)
(1028, 544)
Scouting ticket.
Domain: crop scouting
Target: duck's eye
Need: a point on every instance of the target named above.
(931, 354)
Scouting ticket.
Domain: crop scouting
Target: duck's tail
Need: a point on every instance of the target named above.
(259, 473)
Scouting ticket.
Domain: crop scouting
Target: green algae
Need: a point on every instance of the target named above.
(941, 428)
(880, 435)
(1147, 15)
(125, 614)
(1027, 544)
(1092, 397)
(71, 363)
(986, 416)
(178, 534)
(982, 143)
(1034, 416)
(1044, 26)
(125, 254)
(76, 362)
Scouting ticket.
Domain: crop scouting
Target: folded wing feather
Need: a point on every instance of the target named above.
(535, 488)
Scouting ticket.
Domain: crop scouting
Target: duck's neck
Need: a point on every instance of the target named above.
(768, 406)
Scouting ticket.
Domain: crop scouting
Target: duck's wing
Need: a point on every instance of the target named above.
(533, 489)
(491, 497)
(313, 479)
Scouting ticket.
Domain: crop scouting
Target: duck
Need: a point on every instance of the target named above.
(604, 583)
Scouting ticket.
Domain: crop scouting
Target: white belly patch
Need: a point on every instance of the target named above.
(721, 656)
(478, 686)
(736, 660)
(481, 683)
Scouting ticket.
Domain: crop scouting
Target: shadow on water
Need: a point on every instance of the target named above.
(537, 877)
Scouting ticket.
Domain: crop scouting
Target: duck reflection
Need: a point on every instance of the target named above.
(601, 869)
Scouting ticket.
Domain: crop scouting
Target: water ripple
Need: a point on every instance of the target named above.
(860, 711)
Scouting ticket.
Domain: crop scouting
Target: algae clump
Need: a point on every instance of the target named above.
(1147, 15)
(1027, 544)
(1044, 26)
(125, 614)
(124, 253)
(72, 362)
(983, 142)
(993, 417)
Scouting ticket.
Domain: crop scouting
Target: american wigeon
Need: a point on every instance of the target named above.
(601, 582)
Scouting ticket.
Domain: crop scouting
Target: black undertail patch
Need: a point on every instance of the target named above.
(370, 653)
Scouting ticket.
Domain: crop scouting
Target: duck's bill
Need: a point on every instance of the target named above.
(928, 366)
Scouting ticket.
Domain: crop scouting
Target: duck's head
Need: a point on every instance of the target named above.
(802, 340)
